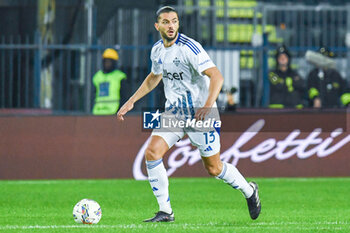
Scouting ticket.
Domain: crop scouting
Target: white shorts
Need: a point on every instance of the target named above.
(208, 143)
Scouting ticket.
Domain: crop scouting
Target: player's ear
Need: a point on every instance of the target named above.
(156, 26)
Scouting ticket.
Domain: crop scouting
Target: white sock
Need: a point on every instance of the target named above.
(158, 180)
(233, 177)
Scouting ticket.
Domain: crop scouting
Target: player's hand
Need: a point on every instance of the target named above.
(124, 109)
(202, 113)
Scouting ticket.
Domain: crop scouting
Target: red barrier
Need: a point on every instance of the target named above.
(51, 147)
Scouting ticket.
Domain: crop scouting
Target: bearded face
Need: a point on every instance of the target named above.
(168, 25)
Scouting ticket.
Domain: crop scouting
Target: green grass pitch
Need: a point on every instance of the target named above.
(200, 205)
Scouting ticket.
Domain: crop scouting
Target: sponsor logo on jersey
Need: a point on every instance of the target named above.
(202, 63)
(172, 76)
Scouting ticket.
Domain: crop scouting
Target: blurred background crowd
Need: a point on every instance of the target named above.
(89, 56)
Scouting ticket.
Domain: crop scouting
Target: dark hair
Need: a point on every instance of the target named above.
(165, 9)
(283, 50)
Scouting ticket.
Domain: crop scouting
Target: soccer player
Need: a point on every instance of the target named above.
(190, 79)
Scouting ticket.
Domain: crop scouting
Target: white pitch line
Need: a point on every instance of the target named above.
(298, 223)
(16, 227)
(41, 182)
(302, 225)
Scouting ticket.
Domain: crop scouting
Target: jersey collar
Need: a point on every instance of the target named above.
(178, 38)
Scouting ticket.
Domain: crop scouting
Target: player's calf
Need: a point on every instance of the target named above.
(213, 171)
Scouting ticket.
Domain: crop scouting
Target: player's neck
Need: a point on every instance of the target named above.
(168, 43)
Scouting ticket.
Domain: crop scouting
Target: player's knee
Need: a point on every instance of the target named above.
(213, 171)
(151, 154)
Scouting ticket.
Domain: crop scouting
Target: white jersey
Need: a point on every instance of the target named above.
(182, 64)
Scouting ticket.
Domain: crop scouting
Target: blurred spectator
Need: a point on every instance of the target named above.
(286, 86)
(109, 84)
(226, 100)
(231, 104)
(326, 87)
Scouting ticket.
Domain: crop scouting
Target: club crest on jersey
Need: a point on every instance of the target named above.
(176, 61)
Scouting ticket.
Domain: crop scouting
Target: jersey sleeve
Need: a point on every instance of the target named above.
(156, 66)
(198, 57)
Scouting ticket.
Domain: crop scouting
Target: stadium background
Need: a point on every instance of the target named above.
(54, 152)
(49, 51)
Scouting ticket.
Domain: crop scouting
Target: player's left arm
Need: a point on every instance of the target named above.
(216, 81)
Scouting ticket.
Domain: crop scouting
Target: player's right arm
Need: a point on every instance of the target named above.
(150, 82)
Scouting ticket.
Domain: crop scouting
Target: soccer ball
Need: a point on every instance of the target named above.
(87, 211)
